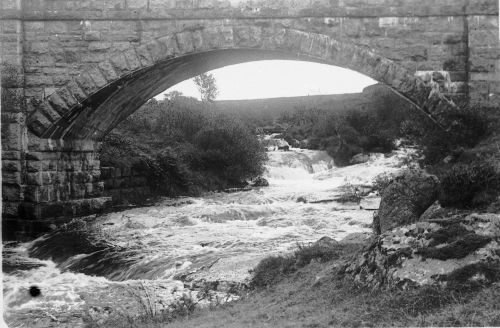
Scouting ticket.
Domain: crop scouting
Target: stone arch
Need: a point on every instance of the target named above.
(97, 99)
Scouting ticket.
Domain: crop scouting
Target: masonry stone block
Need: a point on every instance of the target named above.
(11, 166)
(157, 50)
(92, 35)
(132, 59)
(10, 209)
(76, 91)
(170, 44)
(11, 136)
(52, 111)
(97, 76)
(86, 83)
(11, 177)
(119, 63)
(247, 36)
(144, 56)
(108, 70)
(12, 193)
(185, 42)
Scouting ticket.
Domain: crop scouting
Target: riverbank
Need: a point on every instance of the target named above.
(188, 248)
(316, 297)
(319, 295)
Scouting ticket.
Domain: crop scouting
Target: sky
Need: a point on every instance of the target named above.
(278, 78)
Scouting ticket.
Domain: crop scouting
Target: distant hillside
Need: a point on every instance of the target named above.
(265, 111)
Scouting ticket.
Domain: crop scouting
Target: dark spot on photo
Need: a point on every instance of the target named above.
(35, 291)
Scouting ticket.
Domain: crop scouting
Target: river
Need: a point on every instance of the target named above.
(183, 246)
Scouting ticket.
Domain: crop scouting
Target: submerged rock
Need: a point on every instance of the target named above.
(301, 199)
(359, 158)
(406, 198)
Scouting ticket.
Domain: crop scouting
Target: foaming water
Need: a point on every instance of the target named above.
(217, 237)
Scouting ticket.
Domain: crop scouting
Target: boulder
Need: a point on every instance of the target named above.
(359, 158)
(301, 199)
(304, 144)
(294, 143)
(325, 242)
(406, 198)
(260, 182)
(455, 251)
(284, 148)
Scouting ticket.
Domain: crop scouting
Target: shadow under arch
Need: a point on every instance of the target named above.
(103, 95)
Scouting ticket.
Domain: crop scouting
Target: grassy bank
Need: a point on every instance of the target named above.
(307, 290)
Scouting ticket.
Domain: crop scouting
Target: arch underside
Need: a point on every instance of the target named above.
(102, 96)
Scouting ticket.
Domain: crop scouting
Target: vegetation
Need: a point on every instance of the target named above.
(315, 295)
(207, 86)
(344, 134)
(184, 147)
(469, 185)
(467, 127)
(274, 268)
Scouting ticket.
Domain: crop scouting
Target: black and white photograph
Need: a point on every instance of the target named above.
(250, 163)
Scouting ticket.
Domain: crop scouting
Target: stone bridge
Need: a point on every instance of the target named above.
(73, 69)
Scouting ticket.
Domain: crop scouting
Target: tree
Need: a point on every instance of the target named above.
(207, 86)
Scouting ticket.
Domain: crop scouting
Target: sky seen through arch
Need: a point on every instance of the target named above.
(278, 78)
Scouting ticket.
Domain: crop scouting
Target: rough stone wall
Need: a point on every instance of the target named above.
(13, 112)
(124, 185)
(61, 180)
(57, 51)
(484, 60)
(62, 37)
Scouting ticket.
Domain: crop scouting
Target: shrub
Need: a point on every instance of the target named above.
(465, 128)
(467, 185)
(317, 251)
(271, 269)
(381, 181)
(184, 147)
(229, 149)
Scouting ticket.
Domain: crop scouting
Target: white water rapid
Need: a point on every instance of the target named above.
(173, 247)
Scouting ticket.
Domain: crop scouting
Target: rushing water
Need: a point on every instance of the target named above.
(180, 245)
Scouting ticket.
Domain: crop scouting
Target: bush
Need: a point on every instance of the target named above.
(468, 185)
(317, 251)
(184, 147)
(381, 181)
(466, 128)
(229, 149)
(271, 269)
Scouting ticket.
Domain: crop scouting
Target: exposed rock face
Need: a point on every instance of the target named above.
(405, 199)
(459, 249)
(356, 238)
